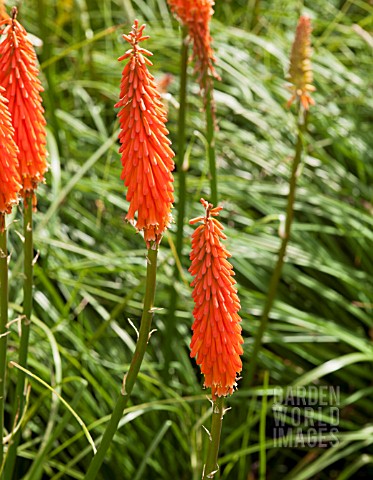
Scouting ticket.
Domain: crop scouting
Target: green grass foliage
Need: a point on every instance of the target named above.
(89, 277)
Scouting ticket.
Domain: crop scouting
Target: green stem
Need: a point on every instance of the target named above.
(211, 466)
(181, 146)
(276, 275)
(210, 137)
(131, 376)
(180, 206)
(20, 397)
(3, 327)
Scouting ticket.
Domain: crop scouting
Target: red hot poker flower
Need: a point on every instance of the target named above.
(300, 71)
(19, 77)
(196, 16)
(10, 182)
(146, 153)
(216, 340)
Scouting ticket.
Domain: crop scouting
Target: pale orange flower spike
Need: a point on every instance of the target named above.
(300, 71)
(19, 77)
(196, 16)
(10, 181)
(146, 153)
(216, 341)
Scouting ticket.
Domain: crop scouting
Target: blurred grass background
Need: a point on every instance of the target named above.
(89, 278)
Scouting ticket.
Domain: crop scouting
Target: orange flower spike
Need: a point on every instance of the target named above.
(199, 30)
(300, 71)
(10, 181)
(216, 341)
(196, 16)
(146, 153)
(19, 77)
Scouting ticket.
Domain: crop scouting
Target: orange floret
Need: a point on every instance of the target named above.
(19, 77)
(216, 341)
(10, 182)
(146, 153)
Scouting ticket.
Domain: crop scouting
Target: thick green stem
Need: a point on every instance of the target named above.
(210, 137)
(3, 327)
(131, 376)
(181, 146)
(180, 206)
(20, 397)
(211, 467)
(276, 275)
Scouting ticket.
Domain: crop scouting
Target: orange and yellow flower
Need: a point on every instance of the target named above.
(10, 182)
(145, 149)
(195, 15)
(300, 71)
(216, 341)
(19, 77)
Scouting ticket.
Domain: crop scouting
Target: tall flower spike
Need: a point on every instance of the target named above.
(300, 71)
(216, 340)
(19, 77)
(146, 153)
(196, 16)
(10, 182)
